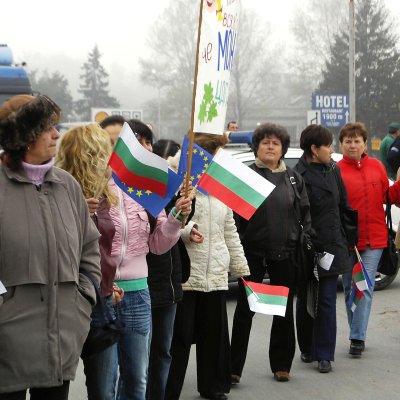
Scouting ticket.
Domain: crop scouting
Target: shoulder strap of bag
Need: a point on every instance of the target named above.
(389, 222)
(105, 315)
(293, 184)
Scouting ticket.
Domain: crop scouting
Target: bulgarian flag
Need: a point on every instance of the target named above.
(235, 184)
(136, 166)
(360, 277)
(356, 297)
(266, 299)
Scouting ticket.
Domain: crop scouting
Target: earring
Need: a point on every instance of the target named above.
(28, 148)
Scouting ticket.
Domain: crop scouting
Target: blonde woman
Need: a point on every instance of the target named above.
(84, 152)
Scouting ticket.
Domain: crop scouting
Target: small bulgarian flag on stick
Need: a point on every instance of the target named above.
(235, 184)
(360, 275)
(266, 299)
(136, 166)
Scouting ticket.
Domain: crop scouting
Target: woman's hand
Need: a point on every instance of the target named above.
(118, 294)
(183, 205)
(93, 205)
(196, 236)
(191, 190)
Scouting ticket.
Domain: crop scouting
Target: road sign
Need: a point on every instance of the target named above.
(334, 109)
(98, 114)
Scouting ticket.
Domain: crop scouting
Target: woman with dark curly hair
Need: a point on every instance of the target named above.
(270, 239)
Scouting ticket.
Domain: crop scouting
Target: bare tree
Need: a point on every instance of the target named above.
(170, 69)
(315, 25)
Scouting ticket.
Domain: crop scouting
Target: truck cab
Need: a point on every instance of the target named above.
(13, 79)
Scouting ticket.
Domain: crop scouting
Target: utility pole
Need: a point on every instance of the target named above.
(352, 64)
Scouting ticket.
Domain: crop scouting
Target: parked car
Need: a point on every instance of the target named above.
(240, 148)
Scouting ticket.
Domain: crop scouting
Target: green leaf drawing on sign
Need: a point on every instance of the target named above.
(208, 107)
(203, 111)
(212, 112)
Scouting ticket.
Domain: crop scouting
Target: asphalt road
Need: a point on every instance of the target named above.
(375, 376)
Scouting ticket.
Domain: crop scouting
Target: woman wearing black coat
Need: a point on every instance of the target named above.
(327, 196)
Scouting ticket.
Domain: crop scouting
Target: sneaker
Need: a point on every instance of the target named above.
(356, 347)
(306, 358)
(235, 379)
(281, 376)
(324, 366)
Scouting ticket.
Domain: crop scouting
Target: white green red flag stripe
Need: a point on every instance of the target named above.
(360, 277)
(357, 296)
(235, 184)
(266, 299)
(136, 166)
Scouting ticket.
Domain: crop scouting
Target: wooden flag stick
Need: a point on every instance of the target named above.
(358, 254)
(191, 133)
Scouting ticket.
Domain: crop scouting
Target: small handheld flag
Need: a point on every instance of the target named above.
(136, 166)
(266, 299)
(235, 184)
(152, 202)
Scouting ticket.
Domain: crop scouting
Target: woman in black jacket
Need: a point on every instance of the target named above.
(270, 240)
(328, 200)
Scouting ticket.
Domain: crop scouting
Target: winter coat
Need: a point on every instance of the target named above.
(46, 240)
(106, 227)
(220, 251)
(366, 184)
(325, 204)
(274, 229)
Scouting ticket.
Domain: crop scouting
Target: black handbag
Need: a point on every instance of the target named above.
(104, 335)
(388, 264)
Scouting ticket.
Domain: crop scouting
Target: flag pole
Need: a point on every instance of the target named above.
(191, 133)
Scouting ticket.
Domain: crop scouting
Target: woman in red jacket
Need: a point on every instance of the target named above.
(366, 183)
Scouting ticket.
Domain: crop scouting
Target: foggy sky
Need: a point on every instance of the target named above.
(59, 35)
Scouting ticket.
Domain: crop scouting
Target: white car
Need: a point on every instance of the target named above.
(240, 148)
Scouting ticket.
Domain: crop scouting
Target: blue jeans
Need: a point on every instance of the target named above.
(134, 347)
(101, 371)
(160, 357)
(358, 320)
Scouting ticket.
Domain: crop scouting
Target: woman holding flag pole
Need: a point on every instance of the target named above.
(367, 186)
(270, 240)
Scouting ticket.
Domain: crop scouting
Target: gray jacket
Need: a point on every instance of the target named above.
(46, 240)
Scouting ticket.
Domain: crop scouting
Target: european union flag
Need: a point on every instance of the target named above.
(152, 202)
(200, 161)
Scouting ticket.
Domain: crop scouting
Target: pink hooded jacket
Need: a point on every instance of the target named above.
(133, 240)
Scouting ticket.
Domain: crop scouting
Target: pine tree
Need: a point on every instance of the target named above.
(377, 67)
(56, 86)
(94, 87)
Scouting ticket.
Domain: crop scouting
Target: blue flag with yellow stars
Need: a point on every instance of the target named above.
(200, 161)
(152, 202)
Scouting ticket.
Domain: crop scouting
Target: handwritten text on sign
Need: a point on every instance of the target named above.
(216, 55)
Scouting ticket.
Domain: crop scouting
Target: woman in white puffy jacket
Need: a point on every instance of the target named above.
(201, 316)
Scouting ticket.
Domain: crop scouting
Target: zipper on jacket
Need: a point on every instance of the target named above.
(209, 241)
(124, 232)
(170, 277)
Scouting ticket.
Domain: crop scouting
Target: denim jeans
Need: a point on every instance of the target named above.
(358, 320)
(134, 347)
(160, 357)
(101, 371)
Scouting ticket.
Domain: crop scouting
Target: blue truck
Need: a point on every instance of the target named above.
(13, 79)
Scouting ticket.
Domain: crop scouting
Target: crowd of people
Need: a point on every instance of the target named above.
(66, 226)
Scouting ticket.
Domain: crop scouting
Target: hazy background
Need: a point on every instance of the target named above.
(58, 36)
